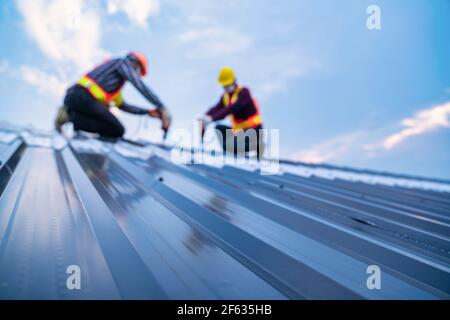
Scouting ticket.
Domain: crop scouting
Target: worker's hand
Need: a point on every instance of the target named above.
(204, 121)
(154, 113)
(166, 118)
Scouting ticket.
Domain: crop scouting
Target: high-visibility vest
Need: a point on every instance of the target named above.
(251, 122)
(98, 93)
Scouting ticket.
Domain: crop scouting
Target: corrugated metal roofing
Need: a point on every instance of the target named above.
(140, 226)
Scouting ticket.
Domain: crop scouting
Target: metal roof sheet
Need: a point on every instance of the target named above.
(141, 227)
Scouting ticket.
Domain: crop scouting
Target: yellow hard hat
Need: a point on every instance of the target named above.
(226, 77)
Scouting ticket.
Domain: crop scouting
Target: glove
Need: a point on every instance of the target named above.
(162, 114)
(166, 118)
(154, 113)
(205, 120)
(204, 123)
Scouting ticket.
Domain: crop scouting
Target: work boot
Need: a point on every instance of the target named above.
(62, 117)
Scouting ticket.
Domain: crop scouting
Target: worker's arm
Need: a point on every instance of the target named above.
(220, 113)
(132, 109)
(216, 108)
(129, 73)
(154, 113)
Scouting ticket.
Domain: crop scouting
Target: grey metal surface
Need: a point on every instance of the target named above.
(142, 227)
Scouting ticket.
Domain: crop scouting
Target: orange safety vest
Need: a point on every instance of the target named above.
(250, 122)
(100, 94)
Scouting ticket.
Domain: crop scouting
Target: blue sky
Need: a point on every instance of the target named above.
(338, 92)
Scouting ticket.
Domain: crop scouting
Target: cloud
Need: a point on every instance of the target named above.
(268, 69)
(358, 143)
(46, 83)
(137, 11)
(202, 34)
(215, 41)
(65, 31)
(4, 66)
(331, 149)
(424, 121)
(279, 69)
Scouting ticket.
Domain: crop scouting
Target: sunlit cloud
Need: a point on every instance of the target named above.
(423, 122)
(332, 149)
(47, 84)
(368, 143)
(65, 31)
(137, 11)
(215, 41)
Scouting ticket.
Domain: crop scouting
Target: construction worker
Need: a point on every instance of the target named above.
(238, 103)
(87, 103)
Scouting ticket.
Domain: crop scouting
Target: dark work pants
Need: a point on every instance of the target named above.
(88, 114)
(237, 143)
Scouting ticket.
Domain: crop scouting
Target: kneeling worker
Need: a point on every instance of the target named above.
(238, 103)
(87, 102)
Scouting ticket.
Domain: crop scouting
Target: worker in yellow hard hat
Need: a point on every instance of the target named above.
(87, 103)
(243, 110)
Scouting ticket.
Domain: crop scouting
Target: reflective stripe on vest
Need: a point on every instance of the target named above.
(250, 122)
(100, 94)
(234, 98)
